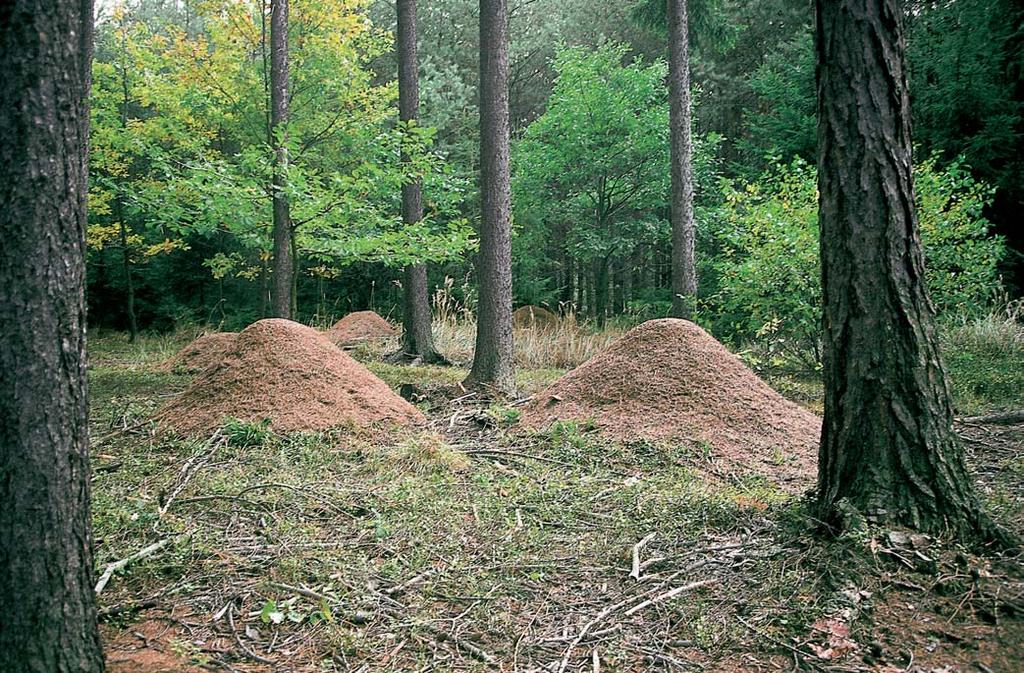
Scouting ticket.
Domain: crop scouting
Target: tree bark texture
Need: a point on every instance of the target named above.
(417, 322)
(284, 267)
(46, 568)
(493, 364)
(684, 267)
(888, 449)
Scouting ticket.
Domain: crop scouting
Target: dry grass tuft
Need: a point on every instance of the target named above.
(564, 346)
(422, 453)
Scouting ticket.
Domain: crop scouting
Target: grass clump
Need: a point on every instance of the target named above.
(985, 358)
(422, 453)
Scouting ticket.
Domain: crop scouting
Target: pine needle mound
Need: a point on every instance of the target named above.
(360, 326)
(671, 380)
(293, 376)
(534, 317)
(209, 350)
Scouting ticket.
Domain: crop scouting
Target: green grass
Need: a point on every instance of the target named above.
(985, 358)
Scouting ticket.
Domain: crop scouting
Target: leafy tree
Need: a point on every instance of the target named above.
(782, 123)
(124, 140)
(46, 554)
(200, 123)
(592, 172)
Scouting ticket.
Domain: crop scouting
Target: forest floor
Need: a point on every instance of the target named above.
(474, 545)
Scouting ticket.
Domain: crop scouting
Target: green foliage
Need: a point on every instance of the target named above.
(768, 270)
(243, 433)
(985, 357)
(784, 122)
(591, 175)
(599, 151)
(182, 158)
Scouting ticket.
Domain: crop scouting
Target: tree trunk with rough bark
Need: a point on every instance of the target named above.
(417, 322)
(46, 568)
(493, 361)
(684, 266)
(888, 450)
(284, 267)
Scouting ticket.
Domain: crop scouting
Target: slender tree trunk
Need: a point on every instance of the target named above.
(264, 289)
(628, 264)
(126, 266)
(46, 568)
(417, 323)
(684, 268)
(888, 449)
(601, 290)
(569, 288)
(284, 269)
(581, 291)
(592, 292)
(126, 257)
(493, 361)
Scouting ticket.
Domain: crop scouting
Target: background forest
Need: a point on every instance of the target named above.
(839, 486)
(182, 161)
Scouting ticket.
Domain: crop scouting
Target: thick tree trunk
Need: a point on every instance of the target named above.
(46, 568)
(493, 364)
(417, 323)
(888, 449)
(284, 268)
(684, 267)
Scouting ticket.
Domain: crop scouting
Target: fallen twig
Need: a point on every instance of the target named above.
(119, 565)
(667, 595)
(394, 591)
(635, 572)
(1005, 418)
(775, 641)
(246, 650)
(517, 454)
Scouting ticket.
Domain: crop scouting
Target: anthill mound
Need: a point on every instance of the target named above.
(669, 379)
(360, 326)
(293, 376)
(209, 350)
(534, 317)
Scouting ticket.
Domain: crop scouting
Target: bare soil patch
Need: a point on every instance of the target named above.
(669, 379)
(360, 326)
(156, 644)
(293, 376)
(209, 350)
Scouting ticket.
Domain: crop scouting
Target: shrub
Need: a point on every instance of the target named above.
(768, 271)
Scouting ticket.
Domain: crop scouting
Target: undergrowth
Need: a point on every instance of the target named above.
(357, 549)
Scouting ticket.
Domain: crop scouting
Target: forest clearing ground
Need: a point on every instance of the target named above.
(470, 546)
